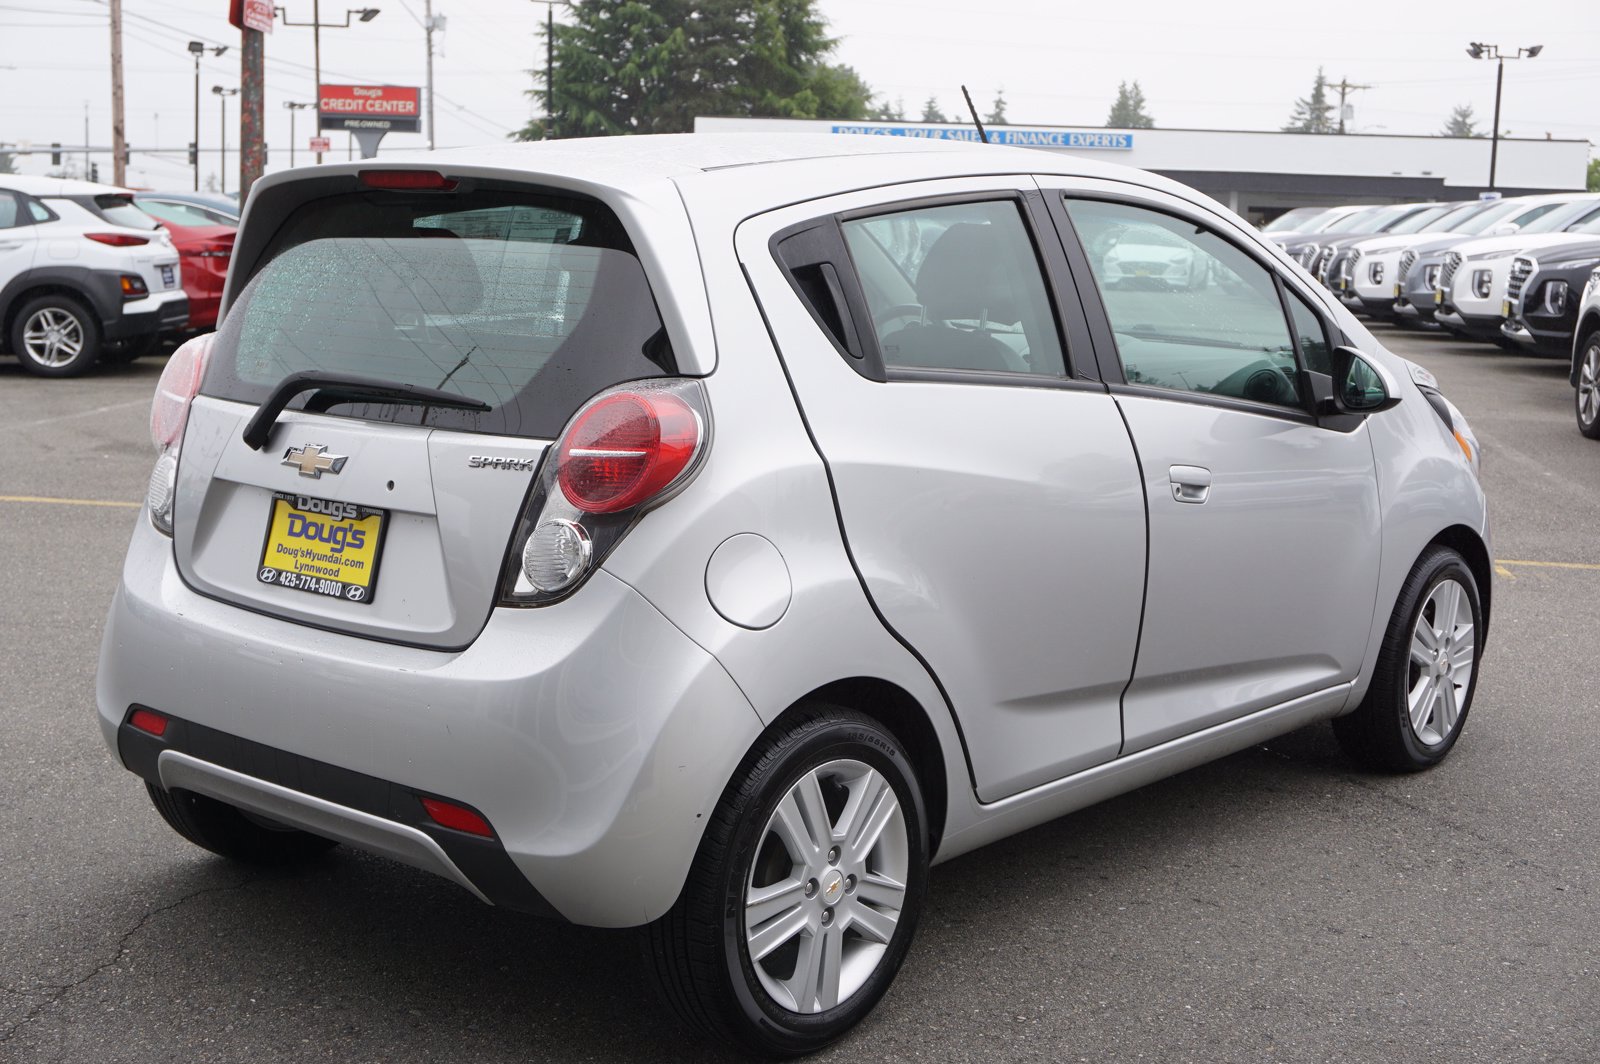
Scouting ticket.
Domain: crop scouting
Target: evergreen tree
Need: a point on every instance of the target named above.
(997, 116)
(887, 112)
(651, 66)
(1594, 175)
(1313, 114)
(1128, 112)
(931, 112)
(1461, 123)
(8, 163)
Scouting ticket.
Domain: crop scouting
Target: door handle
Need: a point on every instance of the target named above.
(1190, 483)
(9, 245)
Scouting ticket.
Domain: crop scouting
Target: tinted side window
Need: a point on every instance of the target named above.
(1189, 311)
(1313, 339)
(956, 287)
(40, 212)
(10, 214)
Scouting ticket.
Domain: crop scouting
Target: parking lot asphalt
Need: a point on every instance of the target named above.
(1275, 906)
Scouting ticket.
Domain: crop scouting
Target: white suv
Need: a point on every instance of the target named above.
(84, 275)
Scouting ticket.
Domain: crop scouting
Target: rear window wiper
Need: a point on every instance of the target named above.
(332, 388)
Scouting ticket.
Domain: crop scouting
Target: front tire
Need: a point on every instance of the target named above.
(805, 893)
(1427, 670)
(55, 335)
(228, 832)
(1588, 391)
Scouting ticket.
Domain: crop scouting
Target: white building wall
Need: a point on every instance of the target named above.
(1556, 165)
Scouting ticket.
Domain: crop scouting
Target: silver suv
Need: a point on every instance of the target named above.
(707, 534)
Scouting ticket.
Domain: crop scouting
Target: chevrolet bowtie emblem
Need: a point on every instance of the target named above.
(313, 460)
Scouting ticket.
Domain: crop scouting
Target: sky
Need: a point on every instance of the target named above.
(1221, 65)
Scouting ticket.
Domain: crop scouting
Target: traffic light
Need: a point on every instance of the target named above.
(55, 153)
(194, 156)
(94, 172)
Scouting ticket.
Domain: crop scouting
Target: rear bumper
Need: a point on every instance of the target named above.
(158, 313)
(594, 736)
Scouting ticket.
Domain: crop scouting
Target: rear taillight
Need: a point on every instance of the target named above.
(118, 240)
(179, 384)
(627, 450)
(169, 413)
(133, 286)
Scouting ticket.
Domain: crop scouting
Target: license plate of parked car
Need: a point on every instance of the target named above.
(323, 547)
(169, 277)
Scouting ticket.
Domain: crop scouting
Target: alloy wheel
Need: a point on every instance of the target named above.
(1443, 653)
(1589, 384)
(53, 337)
(827, 886)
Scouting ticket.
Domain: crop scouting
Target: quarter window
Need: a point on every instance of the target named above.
(1189, 311)
(10, 217)
(956, 287)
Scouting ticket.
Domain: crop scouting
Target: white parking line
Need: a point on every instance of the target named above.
(49, 500)
(78, 413)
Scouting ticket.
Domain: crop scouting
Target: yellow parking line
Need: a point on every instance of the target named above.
(1548, 565)
(71, 502)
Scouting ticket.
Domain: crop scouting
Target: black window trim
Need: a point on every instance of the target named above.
(1105, 348)
(1072, 333)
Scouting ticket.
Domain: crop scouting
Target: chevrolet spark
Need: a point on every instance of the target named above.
(709, 534)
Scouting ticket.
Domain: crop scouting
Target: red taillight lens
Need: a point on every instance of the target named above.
(179, 384)
(457, 817)
(624, 449)
(149, 722)
(409, 180)
(118, 240)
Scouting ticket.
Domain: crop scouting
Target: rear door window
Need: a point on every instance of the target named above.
(529, 303)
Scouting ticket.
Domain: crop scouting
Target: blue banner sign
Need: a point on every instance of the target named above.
(1011, 135)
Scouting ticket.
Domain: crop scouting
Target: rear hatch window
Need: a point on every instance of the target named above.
(530, 303)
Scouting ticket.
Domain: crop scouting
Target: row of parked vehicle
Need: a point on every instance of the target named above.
(1523, 273)
(92, 273)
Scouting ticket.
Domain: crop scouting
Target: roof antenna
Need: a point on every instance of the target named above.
(975, 119)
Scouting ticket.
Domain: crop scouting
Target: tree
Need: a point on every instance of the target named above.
(1594, 175)
(931, 112)
(1461, 123)
(886, 111)
(997, 116)
(1128, 112)
(651, 66)
(1313, 114)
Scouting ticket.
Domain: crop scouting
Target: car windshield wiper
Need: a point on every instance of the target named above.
(333, 388)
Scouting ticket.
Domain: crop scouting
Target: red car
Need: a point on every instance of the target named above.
(205, 244)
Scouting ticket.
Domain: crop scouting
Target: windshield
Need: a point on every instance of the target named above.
(1362, 221)
(118, 210)
(1419, 221)
(1503, 211)
(184, 213)
(1589, 223)
(1560, 217)
(529, 303)
(1301, 218)
(1452, 220)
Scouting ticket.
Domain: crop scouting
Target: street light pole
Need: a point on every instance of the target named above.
(223, 95)
(197, 49)
(293, 107)
(366, 14)
(1479, 50)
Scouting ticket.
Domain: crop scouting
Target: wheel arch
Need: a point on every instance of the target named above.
(33, 283)
(1586, 324)
(1467, 543)
(901, 713)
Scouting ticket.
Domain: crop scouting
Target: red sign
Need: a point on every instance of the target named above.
(251, 15)
(375, 107)
(321, 144)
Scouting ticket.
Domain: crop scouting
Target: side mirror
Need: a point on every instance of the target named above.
(1355, 388)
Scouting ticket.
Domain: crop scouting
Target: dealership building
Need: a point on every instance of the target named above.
(1261, 175)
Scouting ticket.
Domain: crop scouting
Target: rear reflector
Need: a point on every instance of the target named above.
(117, 240)
(411, 180)
(457, 817)
(149, 721)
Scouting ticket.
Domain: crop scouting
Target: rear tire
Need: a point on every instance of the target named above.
(1588, 391)
(1426, 674)
(226, 831)
(781, 952)
(55, 335)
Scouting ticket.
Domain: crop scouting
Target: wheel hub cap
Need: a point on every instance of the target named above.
(1443, 653)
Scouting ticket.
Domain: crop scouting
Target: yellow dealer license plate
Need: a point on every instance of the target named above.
(1438, 297)
(1505, 308)
(1397, 289)
(323, 547)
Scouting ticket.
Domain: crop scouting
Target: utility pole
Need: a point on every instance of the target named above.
(427, 30)
(252, 144)
(119, 141)
(550, 64)
(1345, 89)
(316, 58)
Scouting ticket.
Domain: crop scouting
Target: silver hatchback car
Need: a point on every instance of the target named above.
(708, 534)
